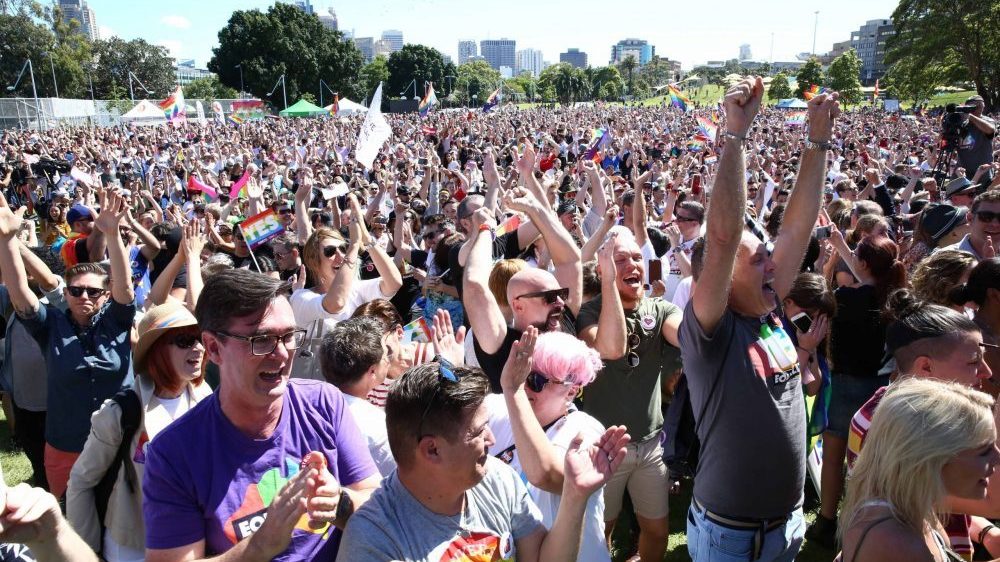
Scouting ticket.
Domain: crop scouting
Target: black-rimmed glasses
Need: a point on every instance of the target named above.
(631, 357)
(446, 374)
(265, 344)
(537, 381)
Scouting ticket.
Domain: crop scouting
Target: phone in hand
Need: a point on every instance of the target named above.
(802, 322)
(823, 232)
(655, 268)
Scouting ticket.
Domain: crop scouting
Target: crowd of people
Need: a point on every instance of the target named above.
(508, 330)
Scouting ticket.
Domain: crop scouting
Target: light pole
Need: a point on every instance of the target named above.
(414, 84)
(322, 84)
(240, 66)
(815, 27)
(52, 64)
(131, 90)
(284, 94)
(34, 90)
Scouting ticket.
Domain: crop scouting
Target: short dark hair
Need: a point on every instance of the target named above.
(234, 293)
(382, 310)
(84, 269)
(811, 291)
(697, 258)
(465, 208)
(991, 196)
(350, 349)
(918, 328)
(695, 208)
(414, 393)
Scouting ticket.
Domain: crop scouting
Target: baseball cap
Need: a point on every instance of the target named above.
(78, 212)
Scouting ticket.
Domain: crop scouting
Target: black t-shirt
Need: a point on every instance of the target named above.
(492, 363)
(504, 247)
(857, 334)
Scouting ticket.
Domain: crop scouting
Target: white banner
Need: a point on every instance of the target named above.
(374, 132)
(201, 112)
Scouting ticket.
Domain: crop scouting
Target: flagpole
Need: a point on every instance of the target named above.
(249, 247)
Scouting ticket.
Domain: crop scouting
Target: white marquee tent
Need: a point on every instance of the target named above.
(145, 113)
(347, 107)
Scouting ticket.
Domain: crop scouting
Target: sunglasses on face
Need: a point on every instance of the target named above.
(678, 218)
(537, 381)
(549, 296)
(446, 375)
(90, 291)
(284, 211)
(987, 216)
(186, 341)
(332, 250)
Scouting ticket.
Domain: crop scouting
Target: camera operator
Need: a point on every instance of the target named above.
(976, 148)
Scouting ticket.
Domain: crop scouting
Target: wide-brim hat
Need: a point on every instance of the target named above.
(157, 320)
(956, 186)
(939, 220)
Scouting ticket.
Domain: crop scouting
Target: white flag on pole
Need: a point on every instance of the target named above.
(374, 132)
(201, 112)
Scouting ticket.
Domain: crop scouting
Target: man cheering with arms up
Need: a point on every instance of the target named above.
(741, 365)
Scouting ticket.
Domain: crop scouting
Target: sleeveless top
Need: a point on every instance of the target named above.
(946, 554)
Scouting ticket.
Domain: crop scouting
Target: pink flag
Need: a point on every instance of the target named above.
(195, 185)
(234, 191)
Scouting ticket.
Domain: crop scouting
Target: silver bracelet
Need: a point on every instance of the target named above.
(734, 136)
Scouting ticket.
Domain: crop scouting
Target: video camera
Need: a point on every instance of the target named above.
(955, 125)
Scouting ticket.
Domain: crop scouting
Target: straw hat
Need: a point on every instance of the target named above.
(157, 320)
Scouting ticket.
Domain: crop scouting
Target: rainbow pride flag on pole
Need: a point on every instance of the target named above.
(492, 101)
(417, 331)
(698, 143)
(796, 119)
(601, 139)
(678, 99)
(429, 101)
(813, 91)
(173, 107)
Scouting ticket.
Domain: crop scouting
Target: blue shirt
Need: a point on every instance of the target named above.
(86, 366)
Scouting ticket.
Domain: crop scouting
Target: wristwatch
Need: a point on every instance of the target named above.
(822, 145)
(345, 507)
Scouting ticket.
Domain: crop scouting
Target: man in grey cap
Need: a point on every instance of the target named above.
(976, 148)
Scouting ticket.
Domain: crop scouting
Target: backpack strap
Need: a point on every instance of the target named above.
(131, 417)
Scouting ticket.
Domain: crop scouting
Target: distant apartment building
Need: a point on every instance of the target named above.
(329, 19)
(466, 51)
(529, 60)
(869, 42)
(575, 57)
(394, 38)
(83, 14)
(638, 48)
(185, 72)
(367, 47)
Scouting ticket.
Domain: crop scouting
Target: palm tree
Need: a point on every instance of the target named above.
(629, 65)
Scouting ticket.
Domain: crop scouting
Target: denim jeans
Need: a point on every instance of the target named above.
(709, 542)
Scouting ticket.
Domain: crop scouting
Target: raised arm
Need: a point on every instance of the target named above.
(803, 204)
(150, 245)
(113, 209)
(608, 336)
(303, 226)
(492, 178)
(725, 213)
(23, 300)
(488, 322)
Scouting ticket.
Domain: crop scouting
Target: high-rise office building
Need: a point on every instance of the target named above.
(869, 42)
(498, 52)
(83, 14)
(466, 51)
(574, 57)
(305, 5)
(329, 19)
(745, 53)
(529, 60)
(367, 47)
(394, 38)
(383, 47)
(638, 48)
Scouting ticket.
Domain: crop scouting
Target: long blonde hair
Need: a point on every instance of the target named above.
(311, 254)
(919, 426)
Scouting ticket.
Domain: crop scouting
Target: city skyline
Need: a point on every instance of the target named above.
(189, 30)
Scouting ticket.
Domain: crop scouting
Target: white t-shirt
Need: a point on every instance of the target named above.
(672, 269)
(560, 434)
(683, 293)
(371, 421)
(307, 306)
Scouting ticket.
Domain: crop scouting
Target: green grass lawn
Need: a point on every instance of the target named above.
(16, 468)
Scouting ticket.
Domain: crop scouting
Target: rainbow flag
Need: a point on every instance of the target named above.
(335, 106)
(698, 143)
(796, 119)
(678, 99)
(708, 127)
(429, 101)
(173, 107)
(509, 225)
(239, 189)
(492, 101)
(601, 139)
(195, 185)
(813, 91)
(417, 331)
(234, 119)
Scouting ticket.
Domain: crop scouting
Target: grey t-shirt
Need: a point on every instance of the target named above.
(753, 435)
(975, 149)
(393, 525)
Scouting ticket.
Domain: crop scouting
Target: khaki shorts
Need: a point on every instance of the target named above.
(645, 476)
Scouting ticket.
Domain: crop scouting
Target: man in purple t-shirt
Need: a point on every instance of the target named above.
(226, 479)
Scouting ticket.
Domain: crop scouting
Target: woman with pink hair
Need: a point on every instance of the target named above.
(534, 421)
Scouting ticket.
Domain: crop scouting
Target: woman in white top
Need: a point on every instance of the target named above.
(168, 360)
(333, 266)
(534, 422)
(928, 440)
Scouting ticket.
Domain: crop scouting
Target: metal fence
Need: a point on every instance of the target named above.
(49, 113)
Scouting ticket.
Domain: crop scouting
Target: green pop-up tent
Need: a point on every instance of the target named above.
(302, 108)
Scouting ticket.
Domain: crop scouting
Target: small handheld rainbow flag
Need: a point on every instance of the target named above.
(429, 101)
(492, 101)
(602, 137)
(678, 99)
(708, 127)
(796, 119)
(813, 91)
(173, 107)
(416, 331)
(234, 119)
(697, 143)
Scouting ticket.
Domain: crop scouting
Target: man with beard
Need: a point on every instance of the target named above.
(636, 337)
(537, 298)
(741, 366)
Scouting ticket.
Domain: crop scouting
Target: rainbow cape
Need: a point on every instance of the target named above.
(173, 106)
(429, 101)
(813, 91)
(678, 99)
(796, 119)
(492, 101)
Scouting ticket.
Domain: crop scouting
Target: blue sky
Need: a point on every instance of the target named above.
(691, 32)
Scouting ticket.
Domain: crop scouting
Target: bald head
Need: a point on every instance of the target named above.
(530, 280)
